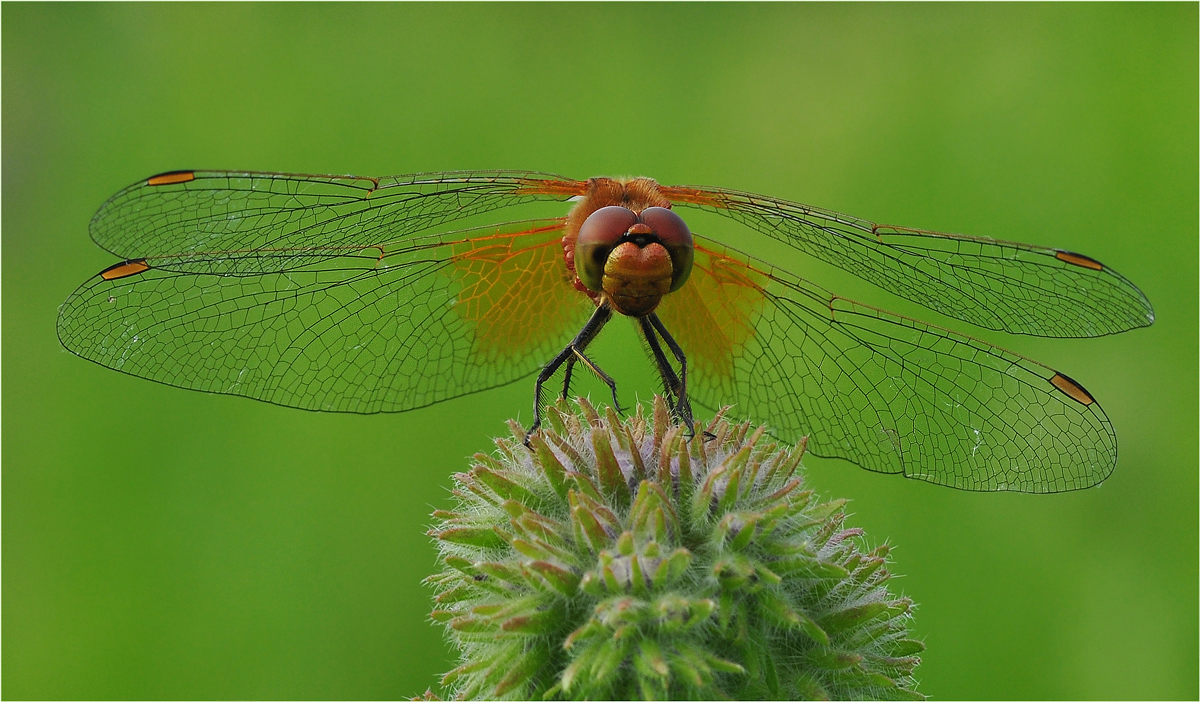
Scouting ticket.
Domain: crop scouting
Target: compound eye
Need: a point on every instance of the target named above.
(676, 238)
(597, 237)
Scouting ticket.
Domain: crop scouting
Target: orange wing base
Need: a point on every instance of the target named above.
(516, 290)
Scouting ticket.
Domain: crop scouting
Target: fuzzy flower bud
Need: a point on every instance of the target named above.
(622, 560)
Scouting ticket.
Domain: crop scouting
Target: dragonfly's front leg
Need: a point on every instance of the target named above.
(570, 355)
(676, 385)
(567, 369)
(612, 384)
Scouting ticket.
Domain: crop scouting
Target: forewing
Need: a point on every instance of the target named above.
(241, 223)
(373, 329)
(993, 284)
(889, 393)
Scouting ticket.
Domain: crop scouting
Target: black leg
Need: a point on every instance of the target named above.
(572, 353)
(570, 366)
(676, 385)
(665, 371)
(612, 384)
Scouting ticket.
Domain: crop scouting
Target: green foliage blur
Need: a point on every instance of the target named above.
(159, 543)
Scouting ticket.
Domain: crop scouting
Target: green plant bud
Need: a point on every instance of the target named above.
(537, 623)
(809, 567)
(509, 573)
(744, 533)
(869, 567)
(576, 460)
(504, 488)
(612, 480)
(834, 660)
(516, 676)
(458, 593)
(469, 536)
(635, 559)
(852, 616)
(561, 579)
(588, 526)
(723, 665)
(890, 665)
(652, 661)
(904, 647)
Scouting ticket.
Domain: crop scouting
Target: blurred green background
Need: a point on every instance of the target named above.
(159, 543)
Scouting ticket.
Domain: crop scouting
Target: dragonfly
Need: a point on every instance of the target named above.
(357, 294)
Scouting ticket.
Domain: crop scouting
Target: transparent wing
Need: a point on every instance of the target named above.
(233, 222)
(992, 284)
(889, 393)
(384, 328)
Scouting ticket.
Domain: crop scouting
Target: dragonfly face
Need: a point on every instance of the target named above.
(357, 295)
(632, 250)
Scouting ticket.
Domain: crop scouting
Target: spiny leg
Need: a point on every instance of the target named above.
(579, 356)
(567, 368)
(571, 354)
(591, 365)
(676, 385)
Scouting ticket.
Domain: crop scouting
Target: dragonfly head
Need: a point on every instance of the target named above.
(633, 258)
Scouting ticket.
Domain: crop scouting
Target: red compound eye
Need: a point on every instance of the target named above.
(675, 236)
(597, 237)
